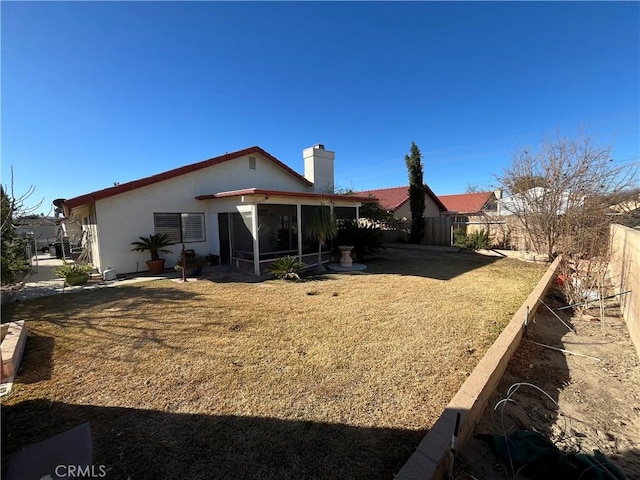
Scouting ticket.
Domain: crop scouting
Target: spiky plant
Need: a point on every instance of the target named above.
(286, 268)
(322, 227)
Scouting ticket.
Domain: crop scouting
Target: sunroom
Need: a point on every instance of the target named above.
(263, 225)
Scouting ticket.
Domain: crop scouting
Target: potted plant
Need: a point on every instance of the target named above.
(194, 264)
(74, 273)
(154, 244)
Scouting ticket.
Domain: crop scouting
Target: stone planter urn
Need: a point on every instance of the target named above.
(345, 256)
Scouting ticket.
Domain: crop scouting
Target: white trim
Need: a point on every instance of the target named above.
(300, 232)
(256, 239)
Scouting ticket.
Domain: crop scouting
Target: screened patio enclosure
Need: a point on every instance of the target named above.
(268, 225)
(280, 232)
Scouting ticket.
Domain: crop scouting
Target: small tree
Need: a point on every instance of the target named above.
(564, 193)
(554, 191)
(416, 193)
(322, 227)
(374, 211)
(13, 207)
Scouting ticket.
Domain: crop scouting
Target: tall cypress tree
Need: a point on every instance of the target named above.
(416, 193)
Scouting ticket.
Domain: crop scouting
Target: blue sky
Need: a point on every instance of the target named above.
(97, 93)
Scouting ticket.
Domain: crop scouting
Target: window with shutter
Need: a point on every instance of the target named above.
(169, 224)
(193, 227)
(181, 227)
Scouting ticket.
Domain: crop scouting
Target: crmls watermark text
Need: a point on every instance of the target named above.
(80, 471)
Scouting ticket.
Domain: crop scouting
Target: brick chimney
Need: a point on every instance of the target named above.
(318, 168)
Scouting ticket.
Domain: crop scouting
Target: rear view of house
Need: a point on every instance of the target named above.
(247, 207)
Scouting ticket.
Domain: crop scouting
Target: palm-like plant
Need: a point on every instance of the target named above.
(154, 244)
(322, 227)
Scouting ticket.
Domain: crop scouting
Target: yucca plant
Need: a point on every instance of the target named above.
(322, 227)
(286, 268)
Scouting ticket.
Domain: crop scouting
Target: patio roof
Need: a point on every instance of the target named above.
(281, 193)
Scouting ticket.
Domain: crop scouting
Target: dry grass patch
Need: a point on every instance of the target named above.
(333, 377)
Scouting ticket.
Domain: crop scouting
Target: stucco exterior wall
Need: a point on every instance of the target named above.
(121, 219)
(625, 272)
(430, 209)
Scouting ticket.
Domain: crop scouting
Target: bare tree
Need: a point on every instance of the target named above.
(625, 207)
(12, 208)
(552, 190)
(562, 196)
(15, 207)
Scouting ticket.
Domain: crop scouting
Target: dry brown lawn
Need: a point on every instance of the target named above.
(336, 376)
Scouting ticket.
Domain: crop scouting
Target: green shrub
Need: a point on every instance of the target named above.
(478, 240)
(366, 240)
(193, 261)
(460, 238)
(68, 269)
(286, 268)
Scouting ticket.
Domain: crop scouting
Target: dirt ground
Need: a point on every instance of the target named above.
(597, 394)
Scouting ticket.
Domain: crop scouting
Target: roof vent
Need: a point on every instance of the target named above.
(319, 145)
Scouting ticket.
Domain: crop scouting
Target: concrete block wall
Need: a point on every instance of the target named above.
(13, 343)
(624, 269)
(431, 459)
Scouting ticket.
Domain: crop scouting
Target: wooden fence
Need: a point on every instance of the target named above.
(439, 230)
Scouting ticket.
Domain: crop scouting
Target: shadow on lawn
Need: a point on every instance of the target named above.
(439, 265)
(151, 444)
(426, 263)
(110, 313)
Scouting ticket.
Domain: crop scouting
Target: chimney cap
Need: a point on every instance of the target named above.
(319, 146)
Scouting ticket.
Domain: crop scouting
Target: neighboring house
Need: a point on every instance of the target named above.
(535, 200)
(46, 231)
(470, 204)
(396, 201)
(43, 230)
(247, 207)
(627, 212)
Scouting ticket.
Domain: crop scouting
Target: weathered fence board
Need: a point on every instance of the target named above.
(437, 231)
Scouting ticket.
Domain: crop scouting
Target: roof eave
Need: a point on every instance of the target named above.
(93, 197)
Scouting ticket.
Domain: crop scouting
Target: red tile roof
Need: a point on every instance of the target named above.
(393, 198)
(280, 193)
(143, 182)
(466, 202)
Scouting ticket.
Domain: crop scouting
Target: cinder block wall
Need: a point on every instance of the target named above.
(625, 272)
